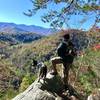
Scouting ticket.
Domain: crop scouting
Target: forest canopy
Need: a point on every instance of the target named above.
(59, 12)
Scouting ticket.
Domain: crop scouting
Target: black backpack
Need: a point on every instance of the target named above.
(67, 49)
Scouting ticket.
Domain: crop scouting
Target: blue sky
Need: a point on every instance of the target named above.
(12, 11)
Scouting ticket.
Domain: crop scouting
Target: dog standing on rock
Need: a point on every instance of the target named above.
(42, 72)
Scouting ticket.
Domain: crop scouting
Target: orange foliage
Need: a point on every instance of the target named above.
(96, 47)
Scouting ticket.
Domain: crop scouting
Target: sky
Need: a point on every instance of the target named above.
(12, 11)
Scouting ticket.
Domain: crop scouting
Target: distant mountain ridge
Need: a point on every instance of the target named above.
(18, 33)
(14, 28)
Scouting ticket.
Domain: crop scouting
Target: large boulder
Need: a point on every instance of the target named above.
(43, 90)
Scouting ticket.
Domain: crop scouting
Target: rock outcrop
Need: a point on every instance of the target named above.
(50, 89)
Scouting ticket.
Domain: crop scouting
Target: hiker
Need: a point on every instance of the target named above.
(66, 53)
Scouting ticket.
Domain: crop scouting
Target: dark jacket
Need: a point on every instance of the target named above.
(66, 51)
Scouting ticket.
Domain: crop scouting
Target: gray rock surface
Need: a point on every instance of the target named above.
(43, 90)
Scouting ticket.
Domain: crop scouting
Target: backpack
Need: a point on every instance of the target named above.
(66, 49)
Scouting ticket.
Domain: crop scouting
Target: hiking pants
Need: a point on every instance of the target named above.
(66, 68)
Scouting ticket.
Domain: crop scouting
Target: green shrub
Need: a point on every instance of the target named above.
(9, 94)
(26, 81)
(87, 69)
(86, 81)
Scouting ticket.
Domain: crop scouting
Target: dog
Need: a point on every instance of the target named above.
(42, 72)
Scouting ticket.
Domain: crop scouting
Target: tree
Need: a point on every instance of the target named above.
(60, 17)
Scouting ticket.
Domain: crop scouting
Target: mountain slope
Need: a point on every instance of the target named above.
(19, 37)
(86, 66)
(16, 33)
(14, 28)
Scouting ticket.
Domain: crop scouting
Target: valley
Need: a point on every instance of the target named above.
(16, 58)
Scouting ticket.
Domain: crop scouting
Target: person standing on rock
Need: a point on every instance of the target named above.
(66, 52)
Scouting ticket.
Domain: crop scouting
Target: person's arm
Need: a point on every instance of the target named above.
(73, 50)
(61, 50)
